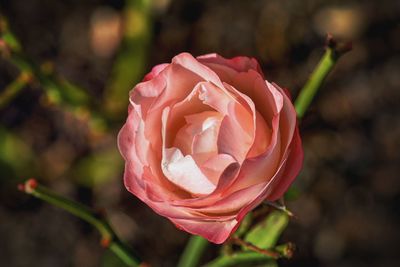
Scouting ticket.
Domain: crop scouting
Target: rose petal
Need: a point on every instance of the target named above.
(263, 167)
(206, 140)
(184, 172)
(236, 125)
(139, 157)
(239, 64)
(215, 231)
(233, 202)
(154, 71)
(189, 62)
(200, 133)
(261, 131)
(294, 163)
(267, 99)
(288, 119)
(215, 165)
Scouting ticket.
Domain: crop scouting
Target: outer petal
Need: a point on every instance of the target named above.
(239, 64)
(154, 71)
(138, 157)
(189, 62)
(215, 231)
(294, 164)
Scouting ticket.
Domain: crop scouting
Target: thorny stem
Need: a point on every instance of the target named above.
(318, 76)
(108, 237)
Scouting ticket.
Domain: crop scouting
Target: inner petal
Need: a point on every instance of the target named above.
(215, 165)
(236, 133)
(262, 137)
(184, 172)
(199, 134)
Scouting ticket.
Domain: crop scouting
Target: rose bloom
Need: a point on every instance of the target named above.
(207, 139)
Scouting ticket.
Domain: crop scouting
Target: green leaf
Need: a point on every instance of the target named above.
(266, 234)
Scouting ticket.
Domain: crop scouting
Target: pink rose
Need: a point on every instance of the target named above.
(206, 140)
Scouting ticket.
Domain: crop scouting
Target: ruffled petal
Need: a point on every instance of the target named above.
(184, 172)
(154, 71)
(294, 164)
(214, 231)
(239, 64)
(189, 62)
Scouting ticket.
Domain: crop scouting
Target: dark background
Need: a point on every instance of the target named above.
(348, 207)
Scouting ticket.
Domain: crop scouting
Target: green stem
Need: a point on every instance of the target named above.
(123, 252)
(239, 258)
(244, 258)
(318, 76)
(109, 238)
(193, 251)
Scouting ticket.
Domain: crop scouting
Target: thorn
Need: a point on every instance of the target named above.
(105, 242)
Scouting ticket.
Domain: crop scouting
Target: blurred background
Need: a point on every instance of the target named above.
(66, 69)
